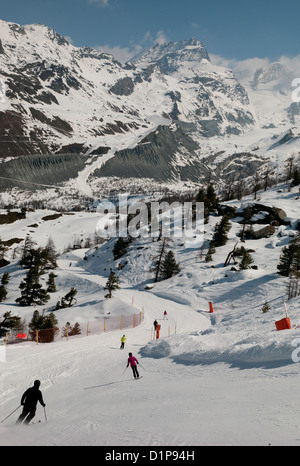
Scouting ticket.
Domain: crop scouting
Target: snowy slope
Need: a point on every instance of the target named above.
(225, 378)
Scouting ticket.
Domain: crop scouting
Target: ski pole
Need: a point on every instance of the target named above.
(45, 414)
(11, 413)
(143, 367)
(125, 370)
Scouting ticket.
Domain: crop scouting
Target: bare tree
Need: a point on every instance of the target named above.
(266, 177)
(256, 184)
(293, 285)
(289, 165)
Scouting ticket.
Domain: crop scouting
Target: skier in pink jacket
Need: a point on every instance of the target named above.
(133, 363)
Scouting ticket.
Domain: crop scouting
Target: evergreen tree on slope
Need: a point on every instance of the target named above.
(221, 230)
(169, 266)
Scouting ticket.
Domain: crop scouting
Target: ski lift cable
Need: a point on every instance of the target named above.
(32, 183)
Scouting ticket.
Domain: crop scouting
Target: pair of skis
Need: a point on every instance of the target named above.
(39, 422)
(34, 423)
(30, 423)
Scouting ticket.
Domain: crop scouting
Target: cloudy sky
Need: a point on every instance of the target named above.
(231, 30)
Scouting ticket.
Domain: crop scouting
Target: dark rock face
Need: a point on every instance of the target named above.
(264, 232)
(124, 86)
(57, 123)
(17, 142)
(59, 78)
(236, 166)
(41, 169)
(155, 157)
(22, 87)
(1, 48)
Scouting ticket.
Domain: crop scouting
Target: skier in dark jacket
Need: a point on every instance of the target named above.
(29, 401)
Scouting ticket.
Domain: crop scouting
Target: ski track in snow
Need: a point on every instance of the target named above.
(89, 401)
(95, 365)
(223, 379)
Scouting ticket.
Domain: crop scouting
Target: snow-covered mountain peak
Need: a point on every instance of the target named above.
(73, 98)
(270, 74)
(170, 54)
(61, 99)
(33, 43)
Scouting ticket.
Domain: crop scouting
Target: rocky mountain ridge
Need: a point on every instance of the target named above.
(45, 77)
(60, 99)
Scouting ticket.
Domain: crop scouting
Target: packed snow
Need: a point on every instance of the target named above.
(222, 378)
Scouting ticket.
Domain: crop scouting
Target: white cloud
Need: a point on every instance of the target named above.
(125, 54)
(291, 64)
(245, 69)
(122, 54)
(160, 38)
(69, 39)
(250, 65)
(101, 2)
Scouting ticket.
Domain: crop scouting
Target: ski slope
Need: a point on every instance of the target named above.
(89, 401)
(179, 401)
(227, 378)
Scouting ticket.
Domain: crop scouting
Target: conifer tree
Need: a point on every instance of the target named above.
(159, 260)
(3, 293)
(51, 254)
(46, 324)
(70, 297)
(68, 300)
(71, 331)
(5, 278)
(296, 177)
(290, 259)
(39, 259)
(210, 252)
(211, 196)
(248, 233)
(3, 249)
(50, 320)
(209, 199)
(208, 257)
(201, 197)
(112, 284)
(9, 322)
(169, 266)
(26, 254)
(246, 259)
(221, 230)
(4, 281)
(120, 248)
(75, 330)
(32, 292)
(65, 329)
(51, 287)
